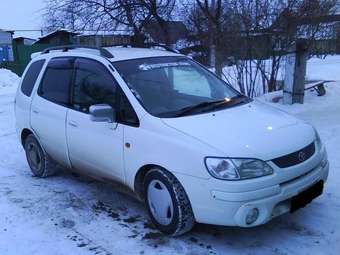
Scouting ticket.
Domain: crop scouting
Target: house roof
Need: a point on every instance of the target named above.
(119, 31)
(22, 37)
(8, 31)
(56, 32)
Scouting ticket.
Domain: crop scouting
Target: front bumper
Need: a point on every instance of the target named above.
(279, 203)
(212, 205)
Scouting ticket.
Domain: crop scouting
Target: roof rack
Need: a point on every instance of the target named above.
(103, 52)
(150, 45)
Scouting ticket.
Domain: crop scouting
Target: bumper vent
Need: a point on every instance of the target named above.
(295, 157)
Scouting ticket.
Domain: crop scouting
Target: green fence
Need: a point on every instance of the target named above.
(22, 56)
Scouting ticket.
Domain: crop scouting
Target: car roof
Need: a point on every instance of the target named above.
(126, 53)
(119, 53)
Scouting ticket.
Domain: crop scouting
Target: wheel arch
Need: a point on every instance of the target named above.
(139, 178)
(24, 134)
(185, 217)
(140, 175)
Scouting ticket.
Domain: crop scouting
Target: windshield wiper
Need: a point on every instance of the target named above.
(208, 106)
(190, 109)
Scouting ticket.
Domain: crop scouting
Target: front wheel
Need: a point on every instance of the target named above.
(167, 203)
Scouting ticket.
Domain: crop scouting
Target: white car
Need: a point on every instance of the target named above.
(189, 145)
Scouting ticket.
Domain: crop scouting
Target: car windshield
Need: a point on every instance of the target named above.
(175, 86)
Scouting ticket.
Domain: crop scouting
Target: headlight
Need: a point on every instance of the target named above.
(237, 169)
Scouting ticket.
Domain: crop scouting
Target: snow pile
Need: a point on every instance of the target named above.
(8, 82)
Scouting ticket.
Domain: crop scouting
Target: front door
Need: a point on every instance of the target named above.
(94, 147)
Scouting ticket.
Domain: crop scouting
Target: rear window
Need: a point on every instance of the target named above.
(56, 83)
(31, 77)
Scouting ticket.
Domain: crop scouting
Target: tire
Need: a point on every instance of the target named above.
(167, 203)
(40, 163)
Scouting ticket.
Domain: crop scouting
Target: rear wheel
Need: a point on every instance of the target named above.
(167, 203)
(40, 163)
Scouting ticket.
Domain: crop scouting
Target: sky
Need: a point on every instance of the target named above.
(22, 15)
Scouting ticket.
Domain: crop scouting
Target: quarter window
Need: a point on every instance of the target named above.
(31, 77)
(56, 83)
(127, 114)
(93, 85)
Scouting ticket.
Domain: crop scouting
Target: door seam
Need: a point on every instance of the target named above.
(66, 138)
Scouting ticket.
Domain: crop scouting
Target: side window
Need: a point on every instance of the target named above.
(93, 84)
(31, 77)
(56, 83)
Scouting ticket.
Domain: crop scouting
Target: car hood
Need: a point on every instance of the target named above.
(254, 130)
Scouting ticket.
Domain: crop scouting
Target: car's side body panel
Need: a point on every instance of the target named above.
(95, 147)
(23, 103)
(48, 120)
(153, 143)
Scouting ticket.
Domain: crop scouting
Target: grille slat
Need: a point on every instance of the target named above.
(295, 158)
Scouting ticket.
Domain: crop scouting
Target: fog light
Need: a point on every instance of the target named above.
(252, 216)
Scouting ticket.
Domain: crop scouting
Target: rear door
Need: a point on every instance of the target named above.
(94, 147)
(24, 93)
(49, 108)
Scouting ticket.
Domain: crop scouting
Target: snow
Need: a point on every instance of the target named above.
(326, 68)
(8, 82)
(74, 215)
(329, 70)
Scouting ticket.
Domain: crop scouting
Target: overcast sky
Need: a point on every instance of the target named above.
(20, 15)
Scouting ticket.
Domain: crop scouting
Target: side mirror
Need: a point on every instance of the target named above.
(102, 113)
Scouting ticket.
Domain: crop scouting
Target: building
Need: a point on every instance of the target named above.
(176, 30)
(6, 48)
(58, 37)
(24, 41)
(106, 40)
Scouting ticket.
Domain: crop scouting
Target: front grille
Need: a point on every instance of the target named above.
(295, 157)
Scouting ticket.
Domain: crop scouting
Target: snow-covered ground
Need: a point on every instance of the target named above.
(326, 68)
(66, 214)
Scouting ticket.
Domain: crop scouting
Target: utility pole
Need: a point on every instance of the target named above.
(211, 36)
(296, 62)
(294, 83)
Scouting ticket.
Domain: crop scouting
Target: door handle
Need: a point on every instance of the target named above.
(35, 111)
(72, 124)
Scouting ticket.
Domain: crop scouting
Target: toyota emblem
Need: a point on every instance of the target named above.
(302, 156)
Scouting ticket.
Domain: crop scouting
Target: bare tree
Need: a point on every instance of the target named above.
(256, 35)
(160, 12)
(212, 11)
(253, 35)
(108, 15)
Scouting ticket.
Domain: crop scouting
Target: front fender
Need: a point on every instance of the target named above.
(154, 143)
